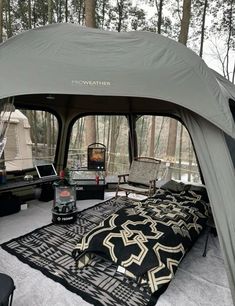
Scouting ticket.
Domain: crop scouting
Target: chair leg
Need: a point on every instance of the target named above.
(116, 195)
(11, 298)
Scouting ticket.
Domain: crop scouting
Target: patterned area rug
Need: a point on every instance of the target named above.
(49, 248)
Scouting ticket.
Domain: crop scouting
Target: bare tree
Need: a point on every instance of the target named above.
(1, 19)
(115, 124)
(78, 7)
(230, 29)
(183, 37)
(29, 15)
(66, 11)
(203, 27)
(120, 5)
(103, 10)
(140, 144)
(153, 123)
(184, 28)
(180, 150)
(90, 125)
(226, 27)
(90, 13)
(50, 11)
(8, 18)
(152, 136)
(159, 22)
(35, 134)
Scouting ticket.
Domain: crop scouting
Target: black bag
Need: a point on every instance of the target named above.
(9, 204)
(47, 192)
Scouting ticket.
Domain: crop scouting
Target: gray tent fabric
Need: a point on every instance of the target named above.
(68, 59)
(226, 86)
(231, 145)
(231, 141)
(218, 172)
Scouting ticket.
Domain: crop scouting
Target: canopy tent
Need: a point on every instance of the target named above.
(95, 62)
(151, 71)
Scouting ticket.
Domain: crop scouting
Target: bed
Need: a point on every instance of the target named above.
(148, 239)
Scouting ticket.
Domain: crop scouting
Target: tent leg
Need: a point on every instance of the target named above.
(207, 237)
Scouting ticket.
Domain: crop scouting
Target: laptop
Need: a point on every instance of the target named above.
(46, 171)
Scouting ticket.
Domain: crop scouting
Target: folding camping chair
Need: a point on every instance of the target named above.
(141, 178)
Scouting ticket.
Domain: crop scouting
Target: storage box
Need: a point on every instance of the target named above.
(9, 204)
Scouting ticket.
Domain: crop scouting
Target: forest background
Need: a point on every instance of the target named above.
(205, 26)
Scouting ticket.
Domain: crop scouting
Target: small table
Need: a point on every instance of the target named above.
(9, 186)
(89, 189)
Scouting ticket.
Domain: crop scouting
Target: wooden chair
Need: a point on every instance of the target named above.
(141, 178)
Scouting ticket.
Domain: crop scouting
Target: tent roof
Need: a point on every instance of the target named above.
(69, 59)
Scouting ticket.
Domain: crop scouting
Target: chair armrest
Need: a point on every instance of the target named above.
(122, 176)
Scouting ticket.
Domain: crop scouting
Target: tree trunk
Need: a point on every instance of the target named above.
(66, 10)
(35, 132)
(180, 150)
(59, 11)
(34, 14)
(8, 18)
(190, 161)
(45, 135)
(108, 141)
(90, 125)
(159, 136)
(171, 144)
(203, 28)
(104, 133)
(120, 14)
(29, 15)
(29, 115)
(97, 129)
(77, 127)
(230, 25)
(103, 13)
(48, 126)
(49, 11)
(90, 128)
(116, 122)
(90, 13)
(183, 37)
(53, 136)
(152, 137)
(141, 137)
(81, 10)
(159, 22)
(1, 20)
(79, 141)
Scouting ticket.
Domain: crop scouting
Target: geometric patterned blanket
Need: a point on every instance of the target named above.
(49, 249)
(147, 240)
